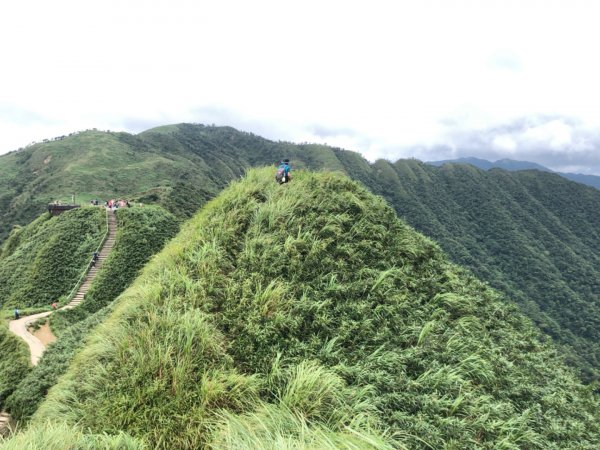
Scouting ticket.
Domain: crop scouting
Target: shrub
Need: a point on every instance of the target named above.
(270, 285)
(14, 363)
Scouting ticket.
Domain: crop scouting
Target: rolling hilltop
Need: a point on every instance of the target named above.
(308, 316)
(178, 166)
(512, 165)
(530, 234)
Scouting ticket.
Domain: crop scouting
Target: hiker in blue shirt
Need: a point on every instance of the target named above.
(17, 313)
(283, 172)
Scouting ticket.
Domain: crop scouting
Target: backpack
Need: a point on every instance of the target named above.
(280, 175)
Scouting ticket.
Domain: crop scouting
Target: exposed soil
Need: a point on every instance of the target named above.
(44, 334)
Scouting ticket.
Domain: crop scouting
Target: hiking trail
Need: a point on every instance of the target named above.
(20, 326)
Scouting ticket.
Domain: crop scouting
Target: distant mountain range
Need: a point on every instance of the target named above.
(531, 234)
(514, 165)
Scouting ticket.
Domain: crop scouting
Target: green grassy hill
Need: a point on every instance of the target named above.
(308, 316)
(141, 233)
(41, 262)
(529, 234)
(178, 166)
(533, 235)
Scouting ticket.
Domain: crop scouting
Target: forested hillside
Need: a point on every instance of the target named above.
(177, 166)
(32, 267)
(512, 165)
(42, 261)
(532, 235)
(308, 315)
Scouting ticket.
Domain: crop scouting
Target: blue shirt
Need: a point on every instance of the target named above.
(285, 167)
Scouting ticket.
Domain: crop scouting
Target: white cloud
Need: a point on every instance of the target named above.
(554, 134)
(394, 75)
(504, 142)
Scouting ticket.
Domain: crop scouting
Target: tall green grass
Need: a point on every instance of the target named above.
(58, 436)
(14, 363)
(308, 316)
(41, 262)
(141, 233)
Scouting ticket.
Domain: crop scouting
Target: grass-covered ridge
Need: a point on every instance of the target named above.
(495, 223)
(141, 233)
(533, 235)
(43, 261)
(14, 363)
(308, 316)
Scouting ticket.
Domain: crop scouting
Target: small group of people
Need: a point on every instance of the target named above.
(94, 202)
(116, 204)
(283, 172)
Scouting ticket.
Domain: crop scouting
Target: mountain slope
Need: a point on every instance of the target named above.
(541, 250)
(533, 235)
(512, 165)
(313, 299)
(178, 166)
(41, 262)
(506, 164)
(142, 232)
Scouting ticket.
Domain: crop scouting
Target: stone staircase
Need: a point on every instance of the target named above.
(19, 327)
(103, 254)
(6, 424)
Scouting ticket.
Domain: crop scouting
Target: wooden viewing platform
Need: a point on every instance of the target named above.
(55, 209)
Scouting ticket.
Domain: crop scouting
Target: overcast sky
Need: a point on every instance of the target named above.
(392, 79)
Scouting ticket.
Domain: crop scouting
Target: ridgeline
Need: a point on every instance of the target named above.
(40, 263)
(530, 234)
(308, 316)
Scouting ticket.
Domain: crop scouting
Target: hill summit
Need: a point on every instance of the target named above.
(308, 316)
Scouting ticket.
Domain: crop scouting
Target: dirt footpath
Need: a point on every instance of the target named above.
(19, 327)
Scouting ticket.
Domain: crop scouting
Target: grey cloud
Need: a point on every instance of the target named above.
(559, 143)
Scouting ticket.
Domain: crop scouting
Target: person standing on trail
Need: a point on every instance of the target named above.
(17, 314)
(283, 172)
(54, 306)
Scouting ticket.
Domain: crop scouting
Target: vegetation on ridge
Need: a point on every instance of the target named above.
(495, 223)
(41, 262)
(295, 314)
(141, 233)
(533, 235)
(14, 363)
